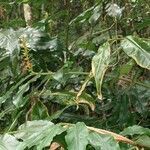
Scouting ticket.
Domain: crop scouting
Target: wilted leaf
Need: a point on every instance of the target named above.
(138, 49)
(100, 64)
(77, 137)
(103, 142)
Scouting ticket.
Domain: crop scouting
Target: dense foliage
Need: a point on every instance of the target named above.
(75, 75)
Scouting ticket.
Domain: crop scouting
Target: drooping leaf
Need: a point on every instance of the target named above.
(103, 142)
(100, 64)
(76, 137)
(138, 49)
(136, 130)
(8, 142)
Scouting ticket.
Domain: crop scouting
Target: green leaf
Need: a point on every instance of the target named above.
(144, 141)
(18, 99)
(103, 142)
(8, 142)
(96, 14)
(11, 90)
(39, 111)
(76, 137)
(100, 64)
(57, 114)
(136, 130)
(126, 68)
(69, 98)
(83, 16)
(9, 40)
(37, 133)
(51, 133)
(138, 49)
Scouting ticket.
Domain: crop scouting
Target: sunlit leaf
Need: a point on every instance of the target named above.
(9, 40)
(138, 49)
(8, 142)
(100, 64)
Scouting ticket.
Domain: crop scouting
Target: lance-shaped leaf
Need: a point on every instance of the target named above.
(138, 49)
(100, 64)
(77, 137)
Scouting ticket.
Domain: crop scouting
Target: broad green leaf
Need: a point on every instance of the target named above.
(37, 133)
(76, 137)
(103, 142)
(136, 130)
(138, 49)
(8, 142)
(100, 64)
